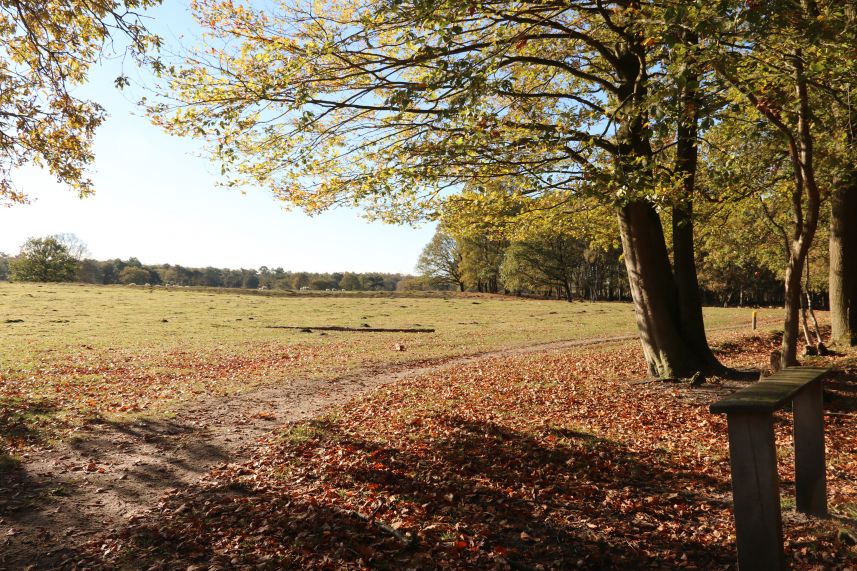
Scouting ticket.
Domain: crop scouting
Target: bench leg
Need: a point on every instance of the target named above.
(810, 478)
(756, 493)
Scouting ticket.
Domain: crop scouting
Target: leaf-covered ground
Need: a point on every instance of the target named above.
(548, 461)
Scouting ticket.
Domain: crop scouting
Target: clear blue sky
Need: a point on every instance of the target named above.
(157, 199)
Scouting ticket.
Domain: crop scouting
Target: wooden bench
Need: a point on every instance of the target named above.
(755, 483)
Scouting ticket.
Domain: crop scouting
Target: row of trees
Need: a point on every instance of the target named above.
(64, 258)
(564, 266)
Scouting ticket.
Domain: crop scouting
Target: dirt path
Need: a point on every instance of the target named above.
(111, 472)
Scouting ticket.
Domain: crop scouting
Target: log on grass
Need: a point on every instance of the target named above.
(354, 329)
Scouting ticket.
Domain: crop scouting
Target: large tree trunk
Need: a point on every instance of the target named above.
(687, 285)
(843, 262)
(684, 263)
(665, 347)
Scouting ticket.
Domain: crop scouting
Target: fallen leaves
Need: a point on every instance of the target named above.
(542, 461)
(50, 400)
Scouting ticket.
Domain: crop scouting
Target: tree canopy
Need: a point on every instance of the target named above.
(47, 49)
(44, 260)
(388, 104)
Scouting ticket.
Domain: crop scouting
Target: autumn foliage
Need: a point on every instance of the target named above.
(545, 461)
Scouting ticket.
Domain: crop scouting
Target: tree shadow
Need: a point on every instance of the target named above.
(575, 490)
(840, 391)
(47, 506)
(739, 374)
(22, 421)
(483, 496)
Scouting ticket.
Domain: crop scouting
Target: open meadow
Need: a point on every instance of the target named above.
(72, 352)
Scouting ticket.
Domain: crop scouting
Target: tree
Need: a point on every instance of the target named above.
(300, 280)
(481, 257)
(350, 282)
(548, 261)
(212, 277)
(134, 275)
(47, 49)
(841, 81)
(557, 243)
(372, 281)
(685, 93)
(744, 239)
(440, 261)
(250, 279)
(90, 271)
(775, 78)
(43, 260)
(843, 259)
(266, 278)
(76, 247)
(4, 266)
(390, 104)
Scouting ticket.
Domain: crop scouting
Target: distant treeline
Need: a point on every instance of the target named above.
(547, 265)
(53, 259)
(132, 271)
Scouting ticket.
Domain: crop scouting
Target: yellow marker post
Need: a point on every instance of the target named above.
(755, 313)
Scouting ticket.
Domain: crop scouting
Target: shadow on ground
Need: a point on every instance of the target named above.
(93, 482)
(840, 391)
(24, 421)
(485, 496)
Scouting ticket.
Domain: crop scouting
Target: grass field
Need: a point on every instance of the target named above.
(70, 352)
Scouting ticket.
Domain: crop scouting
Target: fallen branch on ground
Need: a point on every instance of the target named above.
(354, 329)
(407, 541)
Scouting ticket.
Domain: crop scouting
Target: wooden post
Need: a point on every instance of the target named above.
(754, 320)
(808, 432)
(755, 489)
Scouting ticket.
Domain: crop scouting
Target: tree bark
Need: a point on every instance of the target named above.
(687, 284)
(684, 262)
(805, 222)
(653, 289)
(842, 283)
(667, 349)
(792, 307)
(843, 262)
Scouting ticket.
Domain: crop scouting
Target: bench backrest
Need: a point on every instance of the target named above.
(770, 394)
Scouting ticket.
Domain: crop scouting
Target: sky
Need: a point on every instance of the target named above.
(157, 199)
